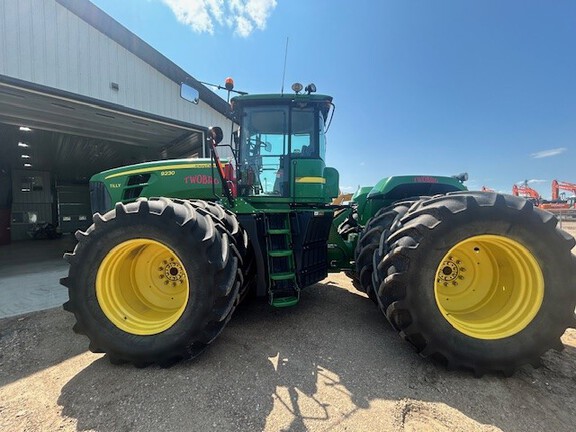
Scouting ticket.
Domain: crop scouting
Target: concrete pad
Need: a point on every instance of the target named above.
(29, 275)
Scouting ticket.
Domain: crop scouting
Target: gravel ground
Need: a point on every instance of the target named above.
(331, 363)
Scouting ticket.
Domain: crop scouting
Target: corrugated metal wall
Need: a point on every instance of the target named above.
(43, 42)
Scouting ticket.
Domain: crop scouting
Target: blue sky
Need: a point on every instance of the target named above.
(420, 86)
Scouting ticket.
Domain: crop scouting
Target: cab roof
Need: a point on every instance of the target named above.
(281, 98)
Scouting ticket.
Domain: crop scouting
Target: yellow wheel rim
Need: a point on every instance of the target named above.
(489, 287)
(142, 287)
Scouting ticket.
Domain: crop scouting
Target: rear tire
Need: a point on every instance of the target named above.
(154, 281)
(368, 244)
(349, 225)
(479, 281)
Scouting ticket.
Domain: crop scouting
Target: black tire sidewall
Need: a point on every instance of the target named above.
(454, 228)
(201, 277)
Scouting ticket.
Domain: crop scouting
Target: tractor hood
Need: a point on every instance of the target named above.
(177, 178)
(401, 187)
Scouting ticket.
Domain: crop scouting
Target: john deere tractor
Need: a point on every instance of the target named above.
(476, 280)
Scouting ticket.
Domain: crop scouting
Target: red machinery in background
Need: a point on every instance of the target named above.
(526, 192)
(557, 186)
(558, 202)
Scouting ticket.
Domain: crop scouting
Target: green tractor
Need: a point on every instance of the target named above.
(476, 280)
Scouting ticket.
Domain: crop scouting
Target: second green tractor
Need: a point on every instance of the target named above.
(475, 280)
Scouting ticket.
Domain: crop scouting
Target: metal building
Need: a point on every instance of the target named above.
(79, 93)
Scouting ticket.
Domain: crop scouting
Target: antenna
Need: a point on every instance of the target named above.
(284, 71)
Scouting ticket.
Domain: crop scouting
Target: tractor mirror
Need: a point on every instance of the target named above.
(189, 93)
(216, 134)
(267, 146)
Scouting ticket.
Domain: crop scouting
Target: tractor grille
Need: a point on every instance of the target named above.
(135, 186)
(100, 199)
(138, 179)
(132, 193)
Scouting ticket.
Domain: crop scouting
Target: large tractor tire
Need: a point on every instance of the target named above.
(479, 281)
(369, 242)
(227, 220)
(349, 225)
(154, 281)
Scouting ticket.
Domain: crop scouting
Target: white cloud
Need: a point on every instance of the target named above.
(531, 181)
(195, 13)
(243, 16)
(348, 189)
(548, 153)
(243, 26)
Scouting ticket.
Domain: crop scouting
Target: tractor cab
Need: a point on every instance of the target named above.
(281, 147)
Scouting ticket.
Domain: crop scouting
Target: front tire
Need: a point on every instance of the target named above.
(153, 281)
(227, 220)
(479, 281)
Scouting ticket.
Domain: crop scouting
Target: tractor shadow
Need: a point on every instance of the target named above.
(332, 362)
(36, 341)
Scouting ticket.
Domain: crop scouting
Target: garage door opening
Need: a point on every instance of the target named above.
(44, 175)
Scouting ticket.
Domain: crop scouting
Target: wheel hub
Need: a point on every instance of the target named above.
(450, 272)
(171, 271)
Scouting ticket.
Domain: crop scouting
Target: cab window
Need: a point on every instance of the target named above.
(264, 142)
(269, 137)
(321, 137)
(302, 139)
